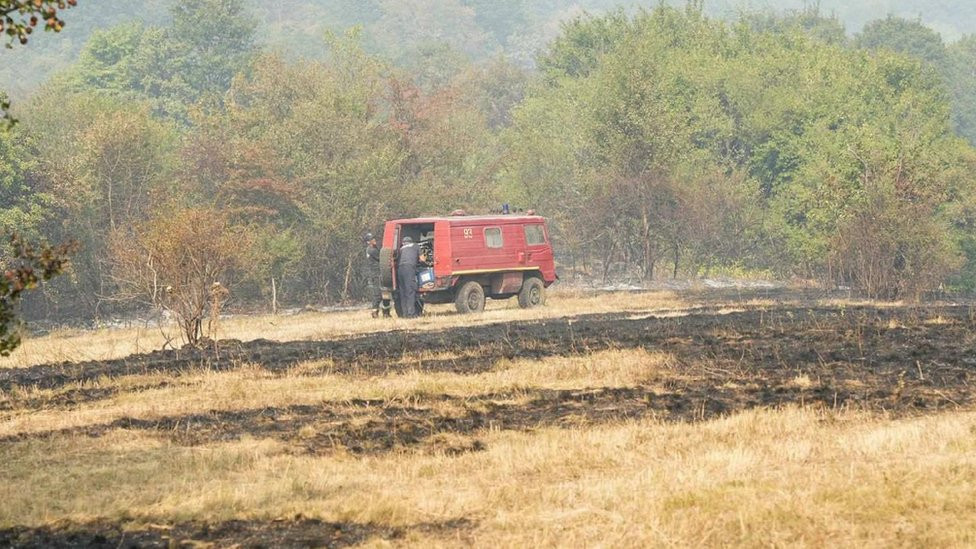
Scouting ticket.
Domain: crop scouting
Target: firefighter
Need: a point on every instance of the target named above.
(409, 257)
(373, 272)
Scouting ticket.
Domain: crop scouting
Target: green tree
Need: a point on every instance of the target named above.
(583, 42)
(187, 64)
(808, 20)
(682, 135)
(905, 36)
(104, 165)
(23, 210)
(962, 85)
(109, 61)
(320, 127)
(214, 40)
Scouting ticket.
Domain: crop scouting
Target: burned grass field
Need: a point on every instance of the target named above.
(743, 420)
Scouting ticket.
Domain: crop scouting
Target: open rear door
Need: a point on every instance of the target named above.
(538, 251)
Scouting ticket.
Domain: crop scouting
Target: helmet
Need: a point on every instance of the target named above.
(367, 237)
(407, 240)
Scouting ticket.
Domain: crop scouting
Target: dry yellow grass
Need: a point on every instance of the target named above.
(761, 478)
(785, 477)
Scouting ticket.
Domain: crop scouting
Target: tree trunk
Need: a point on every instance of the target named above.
(676, 251)
(348, 279)
(606, 261)
(274, 297)
(648, 259)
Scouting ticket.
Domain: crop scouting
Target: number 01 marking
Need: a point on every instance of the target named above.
(468, 233)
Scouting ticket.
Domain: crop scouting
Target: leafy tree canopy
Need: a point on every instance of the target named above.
(192, 60)
(909, 37)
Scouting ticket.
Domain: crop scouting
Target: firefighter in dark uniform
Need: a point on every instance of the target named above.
(409, 258)
(373, 272)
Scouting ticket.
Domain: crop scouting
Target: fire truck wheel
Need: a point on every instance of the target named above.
(532, 294)
(470, 298)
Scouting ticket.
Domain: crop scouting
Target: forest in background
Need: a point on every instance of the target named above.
(515, 29)
(189, 142)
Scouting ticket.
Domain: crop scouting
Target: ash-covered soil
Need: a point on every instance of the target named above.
(933, 345)
(898, 361)
(377, 426)
(373, 353)
(293, 533)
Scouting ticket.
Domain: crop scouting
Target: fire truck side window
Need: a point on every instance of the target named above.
(493, 237)
(534, 235)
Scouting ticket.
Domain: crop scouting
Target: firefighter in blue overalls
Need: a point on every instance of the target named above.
(407, 263)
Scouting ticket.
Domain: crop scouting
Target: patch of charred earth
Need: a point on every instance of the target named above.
(378, 352)
(430, 421)
(796, 338)
(69, 398)
(368, 353)
(298, 532)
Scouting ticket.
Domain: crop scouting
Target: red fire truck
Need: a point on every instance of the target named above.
(470, 258)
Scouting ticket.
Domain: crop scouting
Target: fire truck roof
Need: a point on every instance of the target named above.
(467, 219)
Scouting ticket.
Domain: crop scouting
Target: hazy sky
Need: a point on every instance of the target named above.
(952, 18)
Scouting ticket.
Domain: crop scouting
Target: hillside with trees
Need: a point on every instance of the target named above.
(238, 142)
(516, 29)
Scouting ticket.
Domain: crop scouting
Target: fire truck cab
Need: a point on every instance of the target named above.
(470, 258)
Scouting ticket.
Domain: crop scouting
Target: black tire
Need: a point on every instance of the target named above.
(470, 298)
(532, 294)
(386, 267)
